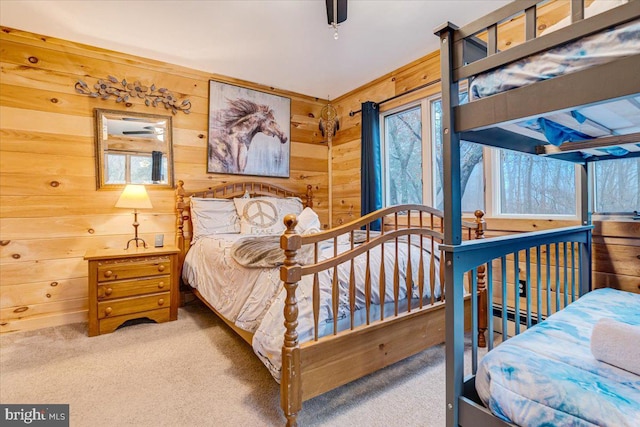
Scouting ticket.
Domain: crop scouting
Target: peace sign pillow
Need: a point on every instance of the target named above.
(265, 215)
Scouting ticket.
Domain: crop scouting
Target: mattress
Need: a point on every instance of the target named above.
(253, 298)
(240, 294)
(548, 376)
(600, 48)
(617, 117)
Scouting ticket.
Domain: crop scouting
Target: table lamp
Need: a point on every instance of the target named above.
(136, 197)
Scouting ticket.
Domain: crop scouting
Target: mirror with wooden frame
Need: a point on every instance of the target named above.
(133, 148)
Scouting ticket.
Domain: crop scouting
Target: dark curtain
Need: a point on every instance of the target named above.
(156, 166)
(371, 176)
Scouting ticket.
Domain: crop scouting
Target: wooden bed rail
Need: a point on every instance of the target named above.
(411, 227)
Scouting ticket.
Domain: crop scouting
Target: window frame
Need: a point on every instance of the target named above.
(427, 158)
(490, 164)
(593, 196)
(128, 155)
(493, 196)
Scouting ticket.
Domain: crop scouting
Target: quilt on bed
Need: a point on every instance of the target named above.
(547, 376)
(253, 298)
(593, 50)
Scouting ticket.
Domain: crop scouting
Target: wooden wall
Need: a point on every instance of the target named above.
(345, 148)
(50, 210)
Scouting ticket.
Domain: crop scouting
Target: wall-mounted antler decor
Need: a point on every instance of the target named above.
(122, 91)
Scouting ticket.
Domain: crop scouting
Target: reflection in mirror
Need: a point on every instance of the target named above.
(133, 148)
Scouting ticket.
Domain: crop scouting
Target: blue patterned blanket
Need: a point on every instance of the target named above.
(547, 376)
(593, 50)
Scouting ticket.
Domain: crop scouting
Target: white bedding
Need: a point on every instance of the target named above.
(253, 298)
(240, 294)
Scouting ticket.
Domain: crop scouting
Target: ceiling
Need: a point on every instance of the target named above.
(285, 44)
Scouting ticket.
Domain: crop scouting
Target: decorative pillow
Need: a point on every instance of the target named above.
(308, 222)
(265, 215)
(213, 216)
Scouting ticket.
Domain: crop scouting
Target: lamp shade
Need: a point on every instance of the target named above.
(135, 197)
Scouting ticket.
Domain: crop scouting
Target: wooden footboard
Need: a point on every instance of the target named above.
(401, 328)
(324, 363)
(337, 360)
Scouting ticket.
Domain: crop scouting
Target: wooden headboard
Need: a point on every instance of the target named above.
(224, 191)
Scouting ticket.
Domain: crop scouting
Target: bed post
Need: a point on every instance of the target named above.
(585, 219)
(454, 286)
(180, 221)
(290, 274)
(482, 285)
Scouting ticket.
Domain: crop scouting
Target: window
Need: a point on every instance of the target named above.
(124, 168)
(403, 137)
(616, 186)
(471, 164)
(520, 184)
(534, 185)
(412, 139)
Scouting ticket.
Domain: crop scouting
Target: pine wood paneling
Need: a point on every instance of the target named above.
(43, 292)
(50, 211)
(83, 226)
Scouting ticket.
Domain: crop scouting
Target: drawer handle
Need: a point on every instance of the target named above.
(108, 311)
(161, 301)
(108, 273)
(161, 268)
(109, 291)
(160, 285)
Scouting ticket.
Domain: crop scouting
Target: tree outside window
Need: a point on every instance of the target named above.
(403, 137)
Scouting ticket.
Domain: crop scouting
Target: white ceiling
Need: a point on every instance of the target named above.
(285, 44)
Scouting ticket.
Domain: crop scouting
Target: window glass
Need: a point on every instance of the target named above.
(471, 167)
(116, 169)
(141, 169)
(403, 148)
(617, 186)
(536, 185)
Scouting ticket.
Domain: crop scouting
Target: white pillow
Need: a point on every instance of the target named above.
(213, 216)
(265, 215)
(308, 222)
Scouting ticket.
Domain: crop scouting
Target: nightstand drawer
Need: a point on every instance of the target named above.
(129, 288)
(123, 306)
(132, 268)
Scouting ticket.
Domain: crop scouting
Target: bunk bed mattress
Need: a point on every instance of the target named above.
(548, 375)
(618, 42)
(253, 298)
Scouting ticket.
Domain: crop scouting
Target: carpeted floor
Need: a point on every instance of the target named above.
(197, 372)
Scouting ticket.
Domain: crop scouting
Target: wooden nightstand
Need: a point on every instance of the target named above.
(131, 284)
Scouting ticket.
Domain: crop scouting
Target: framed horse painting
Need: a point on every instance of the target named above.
(249, 131)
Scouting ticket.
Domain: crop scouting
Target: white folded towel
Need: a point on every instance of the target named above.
(617, 343)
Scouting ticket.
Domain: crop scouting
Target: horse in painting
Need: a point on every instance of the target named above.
(231, 131)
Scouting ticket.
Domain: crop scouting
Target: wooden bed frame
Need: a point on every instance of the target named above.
(324, 363)
(565, 251)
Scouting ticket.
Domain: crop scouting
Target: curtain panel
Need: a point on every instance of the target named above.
(371, 175)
